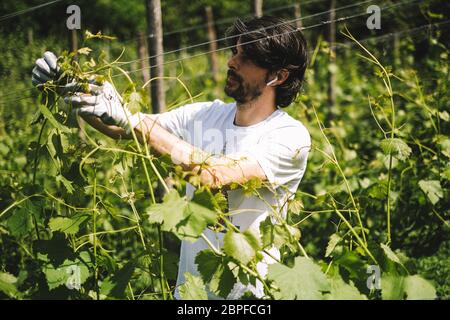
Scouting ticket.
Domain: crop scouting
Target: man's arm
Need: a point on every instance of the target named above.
(215, 173)
(111, 131)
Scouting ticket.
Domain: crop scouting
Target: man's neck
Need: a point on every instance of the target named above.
(253, 112)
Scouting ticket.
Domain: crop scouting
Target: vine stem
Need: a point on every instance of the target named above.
(16, 203)
(334, 160)
(36, 161)
(387, 83)
(94, 227)
(162, 278)
(361, 243)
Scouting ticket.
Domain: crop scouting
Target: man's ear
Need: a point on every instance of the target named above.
(278, 77)
(283, 74)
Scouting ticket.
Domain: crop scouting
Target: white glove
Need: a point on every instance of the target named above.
(106, 103)
(47, 69)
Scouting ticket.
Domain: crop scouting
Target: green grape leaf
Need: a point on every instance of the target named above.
(417, 288)
(446, 173)
(8, 285)
(276, 234)
(332, 243)
(433, 190)
(295, 206)
(207, 263)
(240, 246)
(49, 116)
(390, 254)
(54, 250)
(222, 281)
(305, 281)
(196, 219)
(340, 290)
(115, 286)
(397, 147)
(20, 223)
(351, 262)
(67, 225)
(193, 288)
(445, 146)
(66, 183)
(187, 220)
(392, 287)
(170, 212)
(413, 287)
(216, 272)
(72, 273)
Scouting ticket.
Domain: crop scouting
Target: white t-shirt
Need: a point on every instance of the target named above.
(280, 144)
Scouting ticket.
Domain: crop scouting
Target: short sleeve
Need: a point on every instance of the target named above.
(282, 155)
(176, 121)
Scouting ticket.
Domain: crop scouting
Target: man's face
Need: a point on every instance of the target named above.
(245, 80)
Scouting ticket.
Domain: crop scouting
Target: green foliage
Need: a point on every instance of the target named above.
(215, 271)
(83, 217)
(397, 147)
(115, 285)
(61, 274)
(67, 225)
(185, 219)
(241, 246)
(8, 285)
(410, 287)
(340, 290)
(19, 224)
(193, 288)
(305, 281)
(433, 190)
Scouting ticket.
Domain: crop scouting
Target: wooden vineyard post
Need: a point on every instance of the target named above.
(332, 68)
(73, 46)
(73, 40)
(143, 58)
(212, 39)
(155, 50)
(298, 15)
(257, 8)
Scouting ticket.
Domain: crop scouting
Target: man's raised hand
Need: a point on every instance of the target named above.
(46, 69)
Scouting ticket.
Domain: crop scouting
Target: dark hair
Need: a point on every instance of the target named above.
(275, 44)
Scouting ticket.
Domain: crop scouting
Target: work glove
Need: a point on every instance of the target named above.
(47, 69)
(104, 102)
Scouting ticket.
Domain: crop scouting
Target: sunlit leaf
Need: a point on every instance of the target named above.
(332, 243)
(240, 246)
(193, 288)
(417, 288)
(433, 190)
(67, 225)
(396, 147)
(305, 281)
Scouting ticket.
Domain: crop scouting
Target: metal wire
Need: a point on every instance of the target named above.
(20, 12)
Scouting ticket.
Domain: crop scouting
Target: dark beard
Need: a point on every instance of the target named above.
(243, 92)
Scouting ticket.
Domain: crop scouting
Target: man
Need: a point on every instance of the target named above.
(251, 138)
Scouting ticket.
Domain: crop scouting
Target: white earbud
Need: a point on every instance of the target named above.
(271, 82)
